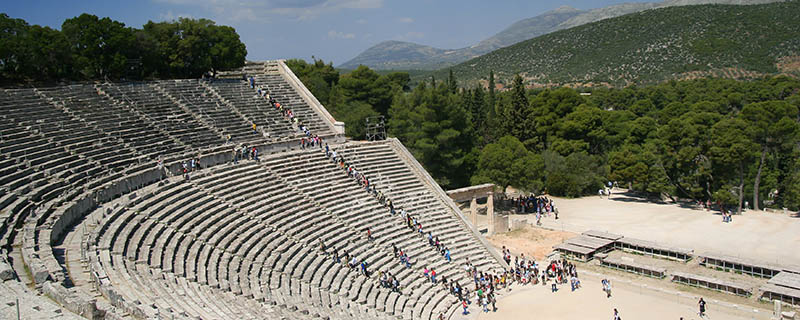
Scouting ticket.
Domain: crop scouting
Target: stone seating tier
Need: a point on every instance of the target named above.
(251, 228)
(230, 242)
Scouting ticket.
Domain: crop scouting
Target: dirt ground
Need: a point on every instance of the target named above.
(590, 302)
(755, 235)
(763, 236)
(533, 242)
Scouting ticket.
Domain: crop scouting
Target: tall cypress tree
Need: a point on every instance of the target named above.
(491, 97)
(515, 116)
(452, 84)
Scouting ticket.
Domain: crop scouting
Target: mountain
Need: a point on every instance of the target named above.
(650, 46)
(528, 28)
(399, 55)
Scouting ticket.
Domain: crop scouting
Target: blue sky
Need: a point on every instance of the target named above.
(333, 30)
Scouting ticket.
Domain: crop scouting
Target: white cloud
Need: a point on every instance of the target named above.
(333, 34)
(258, 10)
(361, 21)
(405, 20)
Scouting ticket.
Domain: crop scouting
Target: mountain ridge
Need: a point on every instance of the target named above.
(677, 42)
(400, 55)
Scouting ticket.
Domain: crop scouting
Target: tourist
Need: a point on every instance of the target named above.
(616, 315)
(364, 268)
(464, 305)
(702, 305)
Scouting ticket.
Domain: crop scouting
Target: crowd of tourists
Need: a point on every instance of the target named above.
(534, 204)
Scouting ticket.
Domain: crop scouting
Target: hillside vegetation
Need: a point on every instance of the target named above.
(734, 143)
(651, 46)
(400, 55)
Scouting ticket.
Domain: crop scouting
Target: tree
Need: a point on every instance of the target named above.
(791, 193)
(684, 148)
(49, 54)
(100, 47)
(318, 77)
(365, 85)
(191, 47)
(574, 175)
(93, 48)
(491, 99)
(435, 126)
(731, 151)
(547, 108)
(507, 163)
(639, 167)
(400, 80)
(226, 49)
(772, 125)
(12, 48)
(515, 116)
(354, 115)
(452, 84)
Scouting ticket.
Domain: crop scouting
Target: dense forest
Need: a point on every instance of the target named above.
(92, 48)
(705, 139)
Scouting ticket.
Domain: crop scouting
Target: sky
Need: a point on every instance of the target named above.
(332, 30)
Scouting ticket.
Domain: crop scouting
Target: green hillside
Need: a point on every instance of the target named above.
(651, 46)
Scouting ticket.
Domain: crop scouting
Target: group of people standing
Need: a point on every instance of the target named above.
(540, 205)
(245, 152)
(534, 204)
(187, 166)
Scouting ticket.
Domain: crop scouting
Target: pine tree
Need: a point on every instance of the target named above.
(515, 116)
(452, 84)
(491, 97)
